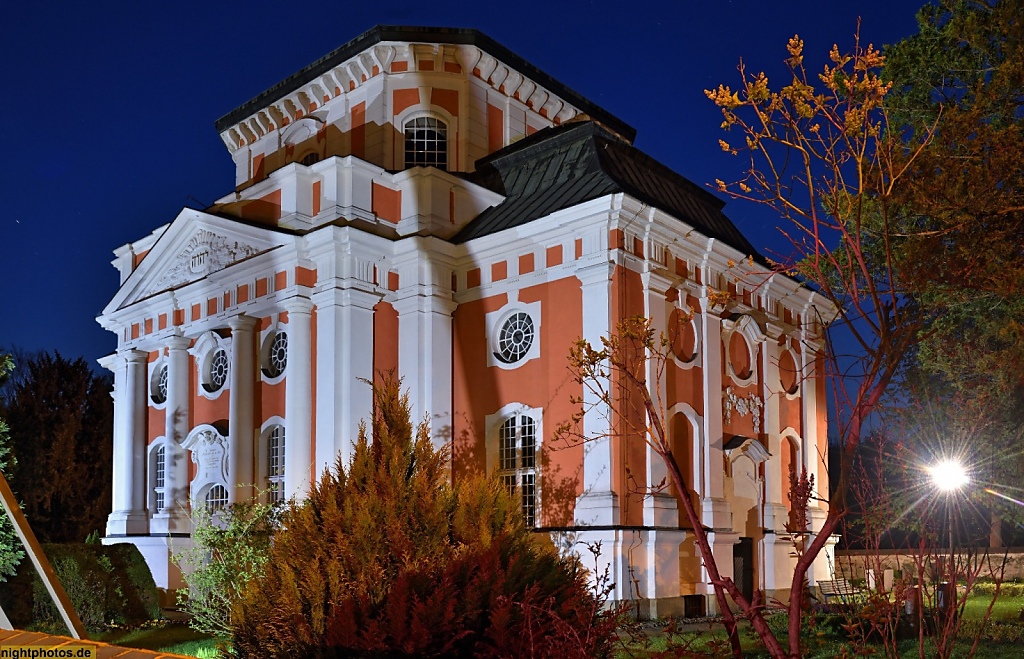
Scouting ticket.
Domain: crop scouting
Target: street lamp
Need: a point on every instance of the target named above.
(949, 476)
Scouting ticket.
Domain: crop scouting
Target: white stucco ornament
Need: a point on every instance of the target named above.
(205, 253)
(209, 453)
(749, 404)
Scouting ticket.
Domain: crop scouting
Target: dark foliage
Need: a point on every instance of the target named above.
(60, 415)
(386, 558)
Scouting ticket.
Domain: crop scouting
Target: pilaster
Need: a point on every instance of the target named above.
(660, 508)
(599, 503)
(344, 362)
(425, 356)
(298, 398)
(716, 511)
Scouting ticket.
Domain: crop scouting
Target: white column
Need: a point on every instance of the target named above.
(717, 513)
(344, 358)
(129, 470)
(660, 509)
(240, 410)
(298, 398)
(599, 504)
(776, 514)
(174, 518)
(425, 357)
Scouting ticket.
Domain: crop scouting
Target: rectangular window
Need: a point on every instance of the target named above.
(517, 462)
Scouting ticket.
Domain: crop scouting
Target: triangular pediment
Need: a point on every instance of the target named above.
(194, 246)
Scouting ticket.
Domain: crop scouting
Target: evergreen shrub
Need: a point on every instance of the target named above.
(107, 584)
(388, 558)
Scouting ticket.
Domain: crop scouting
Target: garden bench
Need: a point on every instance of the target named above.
(841, 588)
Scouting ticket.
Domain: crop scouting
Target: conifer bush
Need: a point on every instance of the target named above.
(387, 558)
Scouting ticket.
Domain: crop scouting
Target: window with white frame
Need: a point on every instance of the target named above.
(217, 371)
(158, 385)
(513, 334)
(159, 478)
(275, 354)
(216, 498)
(517, 461)
(426, 143)
(275, 464)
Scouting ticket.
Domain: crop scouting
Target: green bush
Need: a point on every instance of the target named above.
(229, 550)
(387, 558)
(106, 585)
(1007, 588)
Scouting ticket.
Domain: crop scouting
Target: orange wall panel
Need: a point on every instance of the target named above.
(495, 128)
(359, 130)
(448, 99)
(387, 203)
(403, 99)
(385, 340)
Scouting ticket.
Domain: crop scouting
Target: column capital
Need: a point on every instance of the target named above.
(179, 342)
(443, 304)
(241, 323)
(346, 297)
(298, 305)
(132, 356)
(657, 281)
(596, 273)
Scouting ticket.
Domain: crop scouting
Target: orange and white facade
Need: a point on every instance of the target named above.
(378, 224)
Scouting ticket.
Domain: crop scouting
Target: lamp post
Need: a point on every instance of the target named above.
(949, 476)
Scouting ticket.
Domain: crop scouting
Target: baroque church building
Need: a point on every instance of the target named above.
(425, 201)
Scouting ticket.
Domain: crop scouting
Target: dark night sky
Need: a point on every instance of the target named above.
(107, 109)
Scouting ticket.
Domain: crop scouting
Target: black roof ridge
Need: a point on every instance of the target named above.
(461, 36)
(543, 140)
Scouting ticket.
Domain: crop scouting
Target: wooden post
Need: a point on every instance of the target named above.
(42, 564)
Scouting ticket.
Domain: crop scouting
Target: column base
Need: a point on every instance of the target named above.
(165, 523)
(597, 509)
(717, 514)
(127, 522)
(661, 510)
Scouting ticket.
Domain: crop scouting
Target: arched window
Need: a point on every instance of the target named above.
(216, 498)
(159, 475)
(310, 158)
(517, 461)
(426, 143)
(275, 464)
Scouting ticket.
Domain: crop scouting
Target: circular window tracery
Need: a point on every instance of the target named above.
(217, 374)
(277, 355)
(515, 338)
(159, 388)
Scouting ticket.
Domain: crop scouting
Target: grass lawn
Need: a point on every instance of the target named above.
(1006, 608)
(176, 638)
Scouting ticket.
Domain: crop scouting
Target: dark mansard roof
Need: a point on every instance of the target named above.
(560, 167)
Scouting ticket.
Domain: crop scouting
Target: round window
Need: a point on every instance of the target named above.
(159, 386)
(682, 337)
(515, 338)
(277, 355)
(788, 373)
(217, 374)
(739, 356)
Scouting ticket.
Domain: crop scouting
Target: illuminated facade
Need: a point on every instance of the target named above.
(425, 201)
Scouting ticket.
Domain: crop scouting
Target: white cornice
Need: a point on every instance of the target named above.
(318, 95)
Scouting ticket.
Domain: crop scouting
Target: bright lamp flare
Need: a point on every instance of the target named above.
(949, 475)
